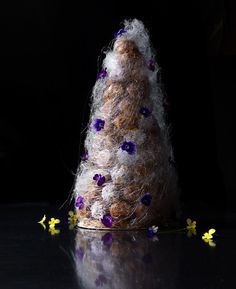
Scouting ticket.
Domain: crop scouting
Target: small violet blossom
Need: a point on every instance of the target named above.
(129, 147)
(107, 220)
(145, 111)
(85, 156)
(153, 229)
(79, 203)
(119, 33)
(152, 64)
(107, 239)
(99, 179)
(146, 199)
(102, 74)
(99, 124)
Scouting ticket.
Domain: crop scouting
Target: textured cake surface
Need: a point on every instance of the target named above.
(126, 178)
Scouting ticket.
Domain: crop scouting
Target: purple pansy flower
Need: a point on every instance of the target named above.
(85, 156)
(107, 220)
(146, 199)
(99, 124)
(153, 229)
(129, 147)
(152, 64)
(79, 253)
(119, 33)
(152, 237)
(79, 203)
(102, 74)
(107, 239)
(145, 111)
(100, 281)
(99, 179)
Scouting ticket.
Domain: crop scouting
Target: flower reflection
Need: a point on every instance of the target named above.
(210, 242)
(53, 231)
(191, 232)
(122, 259)
(41, 222)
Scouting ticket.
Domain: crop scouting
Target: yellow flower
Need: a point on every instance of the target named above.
(210, 242)
(72, 217)
(191, 232)
(208, 235)
(191, 224)
(53, 231)
(53, 222)
(41, 222)
(72, 220)
(155, 238)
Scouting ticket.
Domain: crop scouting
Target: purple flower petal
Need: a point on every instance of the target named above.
(80, 253)
(151, 64)
(107, 220)
(79, 203)
(119, 33)
(107, 239)
(145, 111)
(100, 281)
(152, 229)
(146, 199)
(99, 179)
(129, 147)
(85, 156)
(99, 124)
(96, 177)
(102, 74)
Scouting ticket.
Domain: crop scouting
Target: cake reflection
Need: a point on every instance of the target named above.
(125, 260)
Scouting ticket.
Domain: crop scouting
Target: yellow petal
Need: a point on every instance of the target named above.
(155, 239)
(212, 231)
(43, 225)
(71, 213)
(53, 231)
(42, 220)
(189, 234)
(189, 221)
(71, 226)
(52, 220)
(211, 243)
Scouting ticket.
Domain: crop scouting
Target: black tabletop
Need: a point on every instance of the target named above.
(32, 257)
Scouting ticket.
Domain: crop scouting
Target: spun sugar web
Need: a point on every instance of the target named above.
(126, 180)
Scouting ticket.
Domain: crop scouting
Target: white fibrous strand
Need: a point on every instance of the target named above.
(127, 179)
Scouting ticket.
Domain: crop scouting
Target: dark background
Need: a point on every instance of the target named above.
(49, 61)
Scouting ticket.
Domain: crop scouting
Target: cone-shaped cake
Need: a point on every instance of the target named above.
(126, 179)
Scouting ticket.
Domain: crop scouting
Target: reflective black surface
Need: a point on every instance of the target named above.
(30, 257)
